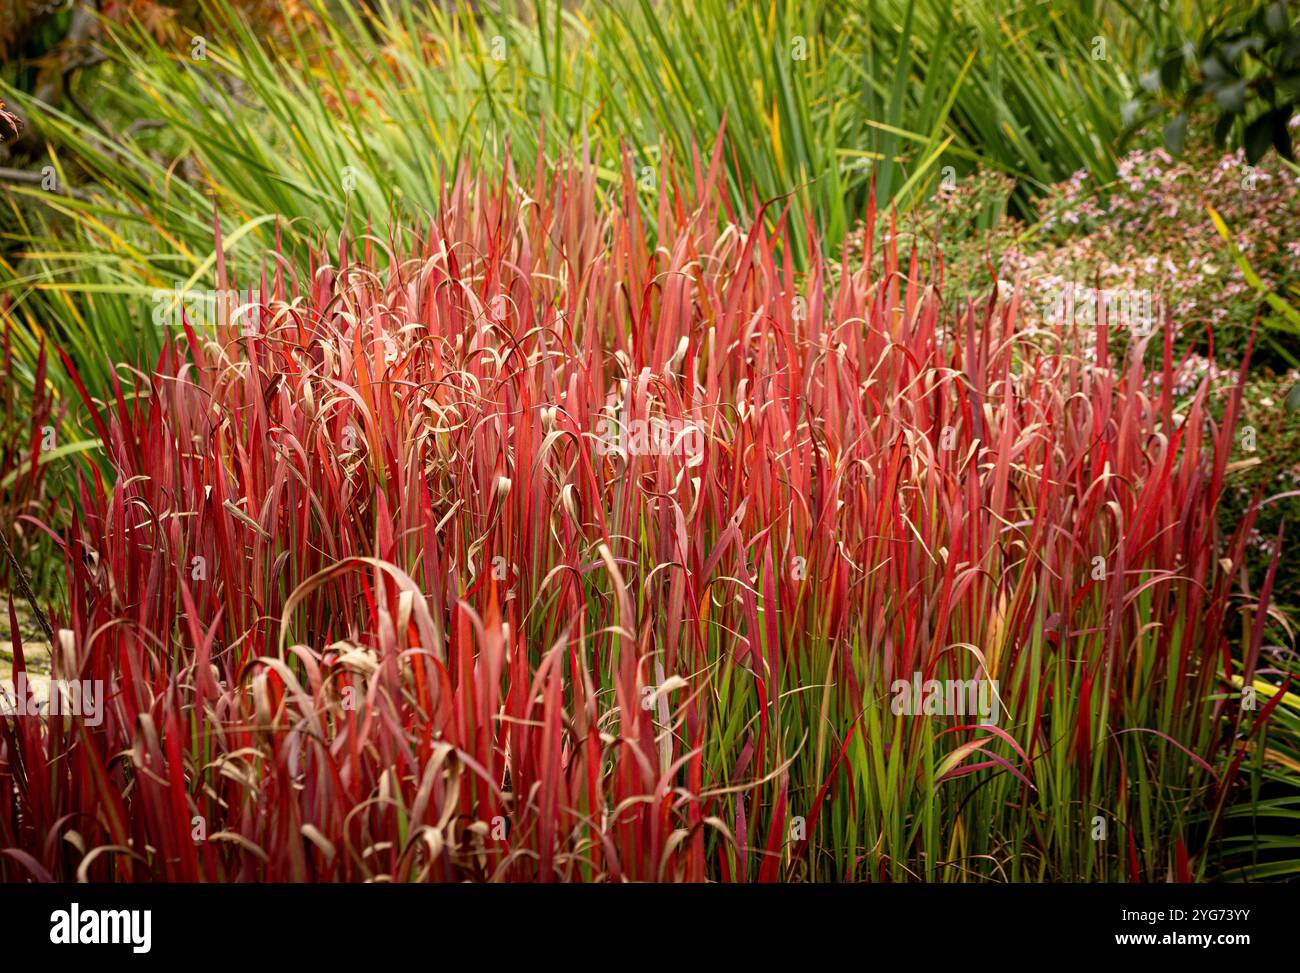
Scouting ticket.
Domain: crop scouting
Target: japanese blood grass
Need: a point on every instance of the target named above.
(30, 448)
(372, 599)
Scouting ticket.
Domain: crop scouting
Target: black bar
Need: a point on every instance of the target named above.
(651, 924)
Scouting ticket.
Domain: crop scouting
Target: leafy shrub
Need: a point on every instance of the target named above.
(1246, 67)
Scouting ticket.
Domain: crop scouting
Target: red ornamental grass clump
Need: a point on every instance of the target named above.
(519, 548)
(29, 421)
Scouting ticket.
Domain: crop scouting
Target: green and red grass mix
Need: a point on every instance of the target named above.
(371, 598)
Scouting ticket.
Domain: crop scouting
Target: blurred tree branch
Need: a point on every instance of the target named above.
(20, 24)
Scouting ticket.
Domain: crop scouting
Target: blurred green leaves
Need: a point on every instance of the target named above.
(1244, 71)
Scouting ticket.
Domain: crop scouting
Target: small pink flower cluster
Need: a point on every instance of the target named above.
(1150, 230)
